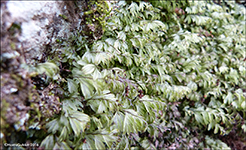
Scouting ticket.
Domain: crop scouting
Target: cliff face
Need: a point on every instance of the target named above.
(28, 31)
(34, 25)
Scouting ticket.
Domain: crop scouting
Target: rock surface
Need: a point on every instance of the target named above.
(35, 24)
(28, 31)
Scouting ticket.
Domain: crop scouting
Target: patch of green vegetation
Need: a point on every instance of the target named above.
(160, 74)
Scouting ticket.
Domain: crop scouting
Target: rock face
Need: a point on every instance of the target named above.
(34, 25)
(28, 31)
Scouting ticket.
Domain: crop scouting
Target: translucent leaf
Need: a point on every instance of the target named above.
(85, 90)
(102, 57)
(242, 70)
(69, 106)
(124, 143)
(88, 69)
(122, 35)
(198, 118)
(96, 74)
(48, 142)
(146, 144)
(72, 86)
(110, 41)
(243, 105)
(99, 46)
(223, 69)
(210, 126)
(133, 8)
(161, 24)
(192, 85)
(240, 96)
(108, 137)
(148, 26)
(98, 142)
(117, 44)
(64, 134)
(188, 19)
(89, 143)
(110, 97)
(78, 122)
(224, 119)
(86, 86)
(80, 116)
(87, 56)
(244, 127)
(228, 98)
(205, 117)
(53, 126)
(48, 67)
(216, 128)
(97, 122)
(134, 42)
(62, 145)
(101, 107)
(234, 104)
(129, 122)
(127, 28)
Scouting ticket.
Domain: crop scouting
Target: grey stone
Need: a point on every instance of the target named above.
(40, 24)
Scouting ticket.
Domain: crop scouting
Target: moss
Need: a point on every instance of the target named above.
(4, 107)
(19, 81)
(95, 17)
(12, 45)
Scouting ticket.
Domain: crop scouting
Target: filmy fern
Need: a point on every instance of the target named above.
(159, 77)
